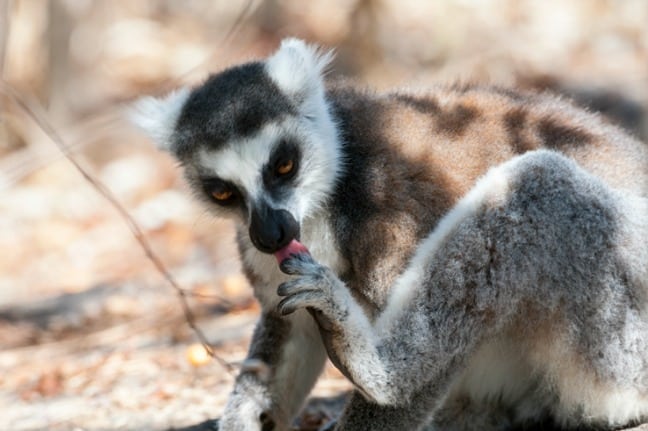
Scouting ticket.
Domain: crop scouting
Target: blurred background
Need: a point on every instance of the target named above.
(91, 335)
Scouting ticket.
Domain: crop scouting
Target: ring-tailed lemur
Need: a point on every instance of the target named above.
(448, 300)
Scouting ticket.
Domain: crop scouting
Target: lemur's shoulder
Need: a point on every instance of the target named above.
(462, 130)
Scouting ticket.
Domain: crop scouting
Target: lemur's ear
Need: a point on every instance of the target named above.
(157, 117)
(297, 68)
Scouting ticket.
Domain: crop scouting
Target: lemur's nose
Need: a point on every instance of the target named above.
(272, 229)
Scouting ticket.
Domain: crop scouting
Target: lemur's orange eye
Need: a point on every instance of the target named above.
(285, 168)
(222, 195)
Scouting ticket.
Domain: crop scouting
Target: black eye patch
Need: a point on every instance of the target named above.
(286, 155)
(220, 191)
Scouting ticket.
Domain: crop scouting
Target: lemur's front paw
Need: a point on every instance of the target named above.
(246, 418)
(249, 406)
(315, 286)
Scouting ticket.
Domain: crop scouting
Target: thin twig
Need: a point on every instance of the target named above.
(35, 112)
(236, 26)
(5, 9)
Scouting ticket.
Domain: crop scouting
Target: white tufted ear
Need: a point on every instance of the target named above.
(297, 68)
(157, 117)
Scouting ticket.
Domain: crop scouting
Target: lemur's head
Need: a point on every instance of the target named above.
(257, 141)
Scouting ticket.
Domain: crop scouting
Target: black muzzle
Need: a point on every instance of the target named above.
(272, 229)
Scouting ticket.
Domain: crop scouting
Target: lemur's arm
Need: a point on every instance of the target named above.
(285, 358)
(423, 347)
(438, 311)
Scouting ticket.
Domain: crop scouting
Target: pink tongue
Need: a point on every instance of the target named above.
(294, 247)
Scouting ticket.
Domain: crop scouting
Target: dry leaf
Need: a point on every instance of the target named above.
(197, 355)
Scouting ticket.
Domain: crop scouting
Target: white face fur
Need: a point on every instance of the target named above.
(244, 163)
(306, 136)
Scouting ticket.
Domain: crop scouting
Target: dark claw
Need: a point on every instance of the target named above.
(283, 288)
(286, 309)
(286, 267)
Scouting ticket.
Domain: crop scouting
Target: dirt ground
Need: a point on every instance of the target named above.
(92, 337)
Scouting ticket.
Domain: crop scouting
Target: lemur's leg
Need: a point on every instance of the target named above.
(285, 358)
(463, 284)
(362, 414)
(507, 244)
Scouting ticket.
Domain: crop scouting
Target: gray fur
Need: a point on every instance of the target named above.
(449, 301)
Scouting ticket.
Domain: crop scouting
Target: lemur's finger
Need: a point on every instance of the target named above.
(290, 266)
(308, 298)
(297, 264)
(297, 285)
